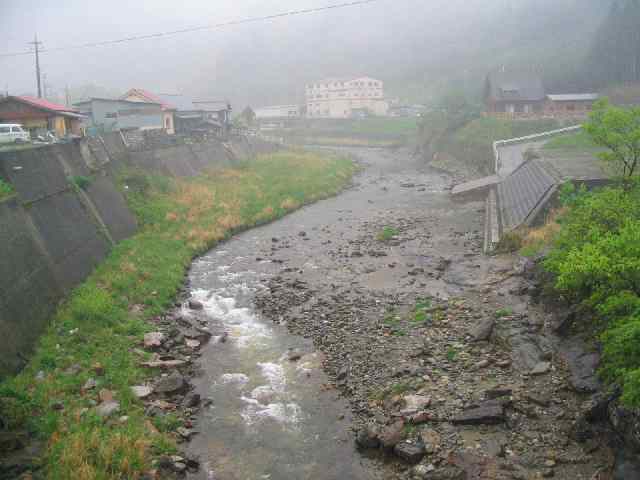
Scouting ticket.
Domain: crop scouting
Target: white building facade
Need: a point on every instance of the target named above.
(346, 98)
(278, 111)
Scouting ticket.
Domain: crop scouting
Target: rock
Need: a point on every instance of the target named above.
(421, 472)
(174, 383)
(541, 368)
(481, 364)
(367, 437)
(10, 441)
(410, 452)
(302, 234)
(185, 433)
(195, 305)
(108, 408)
(294, 356)
(73, 369)
(192, 400)
(40, 376)
(415, 403)
(223, 338)
(431, 440)
(153, 339)
(482, 330)
(142, 391)
(489, 413)
(98, 369)
(537, 399)
(498, 392)
(90, 384)
(192, 343)
(164, 364)
(392, 434)
(105, 395)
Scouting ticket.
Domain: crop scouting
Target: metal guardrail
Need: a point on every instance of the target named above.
(513, 141)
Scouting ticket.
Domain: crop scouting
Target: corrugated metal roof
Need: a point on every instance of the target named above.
(521, 192)
(574, 97)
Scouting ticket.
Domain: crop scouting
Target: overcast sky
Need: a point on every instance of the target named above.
(258, 63)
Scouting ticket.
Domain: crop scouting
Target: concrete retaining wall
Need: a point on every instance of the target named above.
(54, 234)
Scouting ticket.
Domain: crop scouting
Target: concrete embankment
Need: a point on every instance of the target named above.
(54, 233)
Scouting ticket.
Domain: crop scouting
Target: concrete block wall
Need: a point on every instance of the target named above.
(53, 235)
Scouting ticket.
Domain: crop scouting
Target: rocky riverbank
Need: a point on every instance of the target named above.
(450, 368)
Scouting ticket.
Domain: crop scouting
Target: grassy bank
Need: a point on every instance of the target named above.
(374, 131)
(579, 141)
(473, 143)
(97, 332)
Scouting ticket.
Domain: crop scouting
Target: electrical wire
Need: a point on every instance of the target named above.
(216, 26)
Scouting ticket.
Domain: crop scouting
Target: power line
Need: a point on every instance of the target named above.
(37, 45)
(215, 26)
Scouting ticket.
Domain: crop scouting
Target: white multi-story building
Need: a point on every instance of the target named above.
(346, 97)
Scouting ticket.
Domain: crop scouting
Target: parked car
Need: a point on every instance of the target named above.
(13, 133)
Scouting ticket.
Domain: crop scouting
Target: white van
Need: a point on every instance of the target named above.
(13, 133)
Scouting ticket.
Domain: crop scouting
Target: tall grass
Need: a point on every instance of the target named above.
(97, 328)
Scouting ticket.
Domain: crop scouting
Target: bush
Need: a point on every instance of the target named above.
(6, 189)
(596, 261)
(80, 181)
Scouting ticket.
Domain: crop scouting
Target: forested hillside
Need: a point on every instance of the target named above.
(615, 54)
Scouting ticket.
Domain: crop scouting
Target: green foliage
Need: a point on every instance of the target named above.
(6, 189)
(509, 242)
(503, 312)
(569, 194)
(387, 234)
(80, 181)
(617, 129)
(179, 219)
(452, 354)
(596, 262)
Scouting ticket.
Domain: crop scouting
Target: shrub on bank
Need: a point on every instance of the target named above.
(596, 262)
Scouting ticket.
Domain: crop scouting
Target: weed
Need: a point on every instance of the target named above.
(80, 181)
(6, 189)
(387, 234)
(452, 354)
(503, 312)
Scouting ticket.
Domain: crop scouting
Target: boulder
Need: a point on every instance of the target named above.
(410, 452)
(392, 434)
(482, 330)
(488, 413)
(367, 437)
(153, 339)
(174, 383)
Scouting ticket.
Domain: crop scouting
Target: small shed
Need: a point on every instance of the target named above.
(108, 115)
(570, 105)
(39, 115)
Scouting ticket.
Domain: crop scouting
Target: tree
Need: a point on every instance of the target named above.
(248, 116)
(617, 129)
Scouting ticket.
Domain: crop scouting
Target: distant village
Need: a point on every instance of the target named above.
(507, 94)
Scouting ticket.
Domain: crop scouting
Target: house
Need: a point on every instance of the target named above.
(346, 98)
(40, 116)
(570, 105)
(278, 111)
(514, 94)
(144, 96)
(198, 116)
(407, 110)
(108, 115)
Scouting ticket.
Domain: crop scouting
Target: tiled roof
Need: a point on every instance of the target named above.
(150, 97)
(44, 104)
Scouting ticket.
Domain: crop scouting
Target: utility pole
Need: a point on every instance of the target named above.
(37, 45)
(67, 95)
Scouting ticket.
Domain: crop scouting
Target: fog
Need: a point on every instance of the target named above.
(419, 47)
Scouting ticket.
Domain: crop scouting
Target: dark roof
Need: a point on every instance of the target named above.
(515, 86)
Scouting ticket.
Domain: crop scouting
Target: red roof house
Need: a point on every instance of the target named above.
(39, 115)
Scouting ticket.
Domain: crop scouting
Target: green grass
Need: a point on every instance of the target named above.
(6, 189)
(452, 354)
(420, 314)
(503, 312)
(386, 234)
(576, 141)
(179, 219)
